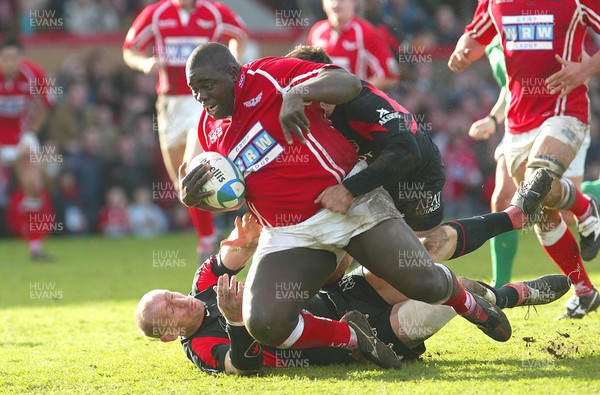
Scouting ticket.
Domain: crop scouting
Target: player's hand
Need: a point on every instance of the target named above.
(335, 198)
(459, 60)
(151, 66)
(229, 298)
(483, 129)
(190, 184)
(293, 119)
(570, 77)
(246, 232)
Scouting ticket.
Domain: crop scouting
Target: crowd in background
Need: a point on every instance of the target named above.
(107, 173)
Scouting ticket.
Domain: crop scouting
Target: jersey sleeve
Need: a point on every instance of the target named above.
(232, 26)
(208, 353)
(380, 59)
(140, 33)
(591, 14)
(210, 271)
(482, 26)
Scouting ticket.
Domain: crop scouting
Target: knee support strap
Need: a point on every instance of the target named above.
(567, 197)
(548, 162)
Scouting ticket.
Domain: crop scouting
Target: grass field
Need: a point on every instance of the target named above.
(67, 328)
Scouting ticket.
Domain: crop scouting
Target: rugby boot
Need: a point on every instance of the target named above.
(579, 306)
(589, 232)
(530, 194)
(490, 319)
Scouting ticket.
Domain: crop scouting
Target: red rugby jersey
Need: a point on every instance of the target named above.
(162, 25)
(531, 35)
(282, 180)
(19, 97)
(359, 48)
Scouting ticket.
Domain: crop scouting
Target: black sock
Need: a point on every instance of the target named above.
(506, 297)
(473, 232)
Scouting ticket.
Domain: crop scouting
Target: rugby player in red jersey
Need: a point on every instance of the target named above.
(25, 96)
(544, 127)
(174, 28)
(268, 102)
(354, 44)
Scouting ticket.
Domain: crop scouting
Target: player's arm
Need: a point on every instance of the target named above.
(241, 244)
(332, 86)
(139, 61)
(467, 50)
(485, 127)
(573, 74)
(245, 354)
(398, 158)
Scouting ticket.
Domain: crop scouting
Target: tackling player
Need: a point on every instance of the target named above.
(175, 28)
(209, 319)
(25, 97)
(544, 129)
(408, 164)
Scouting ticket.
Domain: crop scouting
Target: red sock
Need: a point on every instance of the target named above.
(562, 247)
(518, 218)
(460, 300)
(203, 222)
(314, 332)
(581, 205)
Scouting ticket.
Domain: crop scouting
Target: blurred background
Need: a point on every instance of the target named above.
(101, 139)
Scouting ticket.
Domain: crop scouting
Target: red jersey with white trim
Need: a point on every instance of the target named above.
(175, 33)
(532, 33)
(18, 99)
(359, 48)
(282, 180)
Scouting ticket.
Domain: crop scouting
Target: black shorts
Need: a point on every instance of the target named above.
(419, 197)
(353, 292)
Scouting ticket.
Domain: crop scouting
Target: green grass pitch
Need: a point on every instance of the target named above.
(67, 328)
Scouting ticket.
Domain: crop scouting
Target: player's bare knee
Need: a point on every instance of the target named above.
(270, 327)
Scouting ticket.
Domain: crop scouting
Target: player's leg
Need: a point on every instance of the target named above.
(552, 150)
(503, 246)
(280, 284)
(30, 178)
(392, 251)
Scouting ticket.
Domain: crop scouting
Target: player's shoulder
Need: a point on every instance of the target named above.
(319, 27)
(365, 25)
(30, 67)
(152, 8)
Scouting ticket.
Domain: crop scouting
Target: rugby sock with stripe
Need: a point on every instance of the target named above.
(311, 332)
(562, 247)
(473, 232)
(582, 208)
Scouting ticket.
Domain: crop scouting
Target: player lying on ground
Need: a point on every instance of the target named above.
(256, 115)
(209, 319)
(408, 164)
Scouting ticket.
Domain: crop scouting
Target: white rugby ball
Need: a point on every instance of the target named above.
(227, 182)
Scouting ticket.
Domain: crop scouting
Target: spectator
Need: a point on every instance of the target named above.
(69, 204)
(113, 220)
(146, 218)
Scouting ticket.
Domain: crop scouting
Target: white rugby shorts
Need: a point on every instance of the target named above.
(327, 230)
(569, 130)
(176, 116)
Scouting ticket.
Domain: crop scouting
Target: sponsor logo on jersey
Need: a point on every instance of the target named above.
(385, 115)
(254, 101)
(178, 49)
(253, 350)
(256, 149)
(528, 32)
(242, 80)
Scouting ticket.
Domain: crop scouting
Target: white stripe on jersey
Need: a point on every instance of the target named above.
(360, 67)
(593, 17)
(259, 217)
(315, 152)
(484, 23)
(159, 47)
(326, 154)
(561, 103)
(273, 81)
